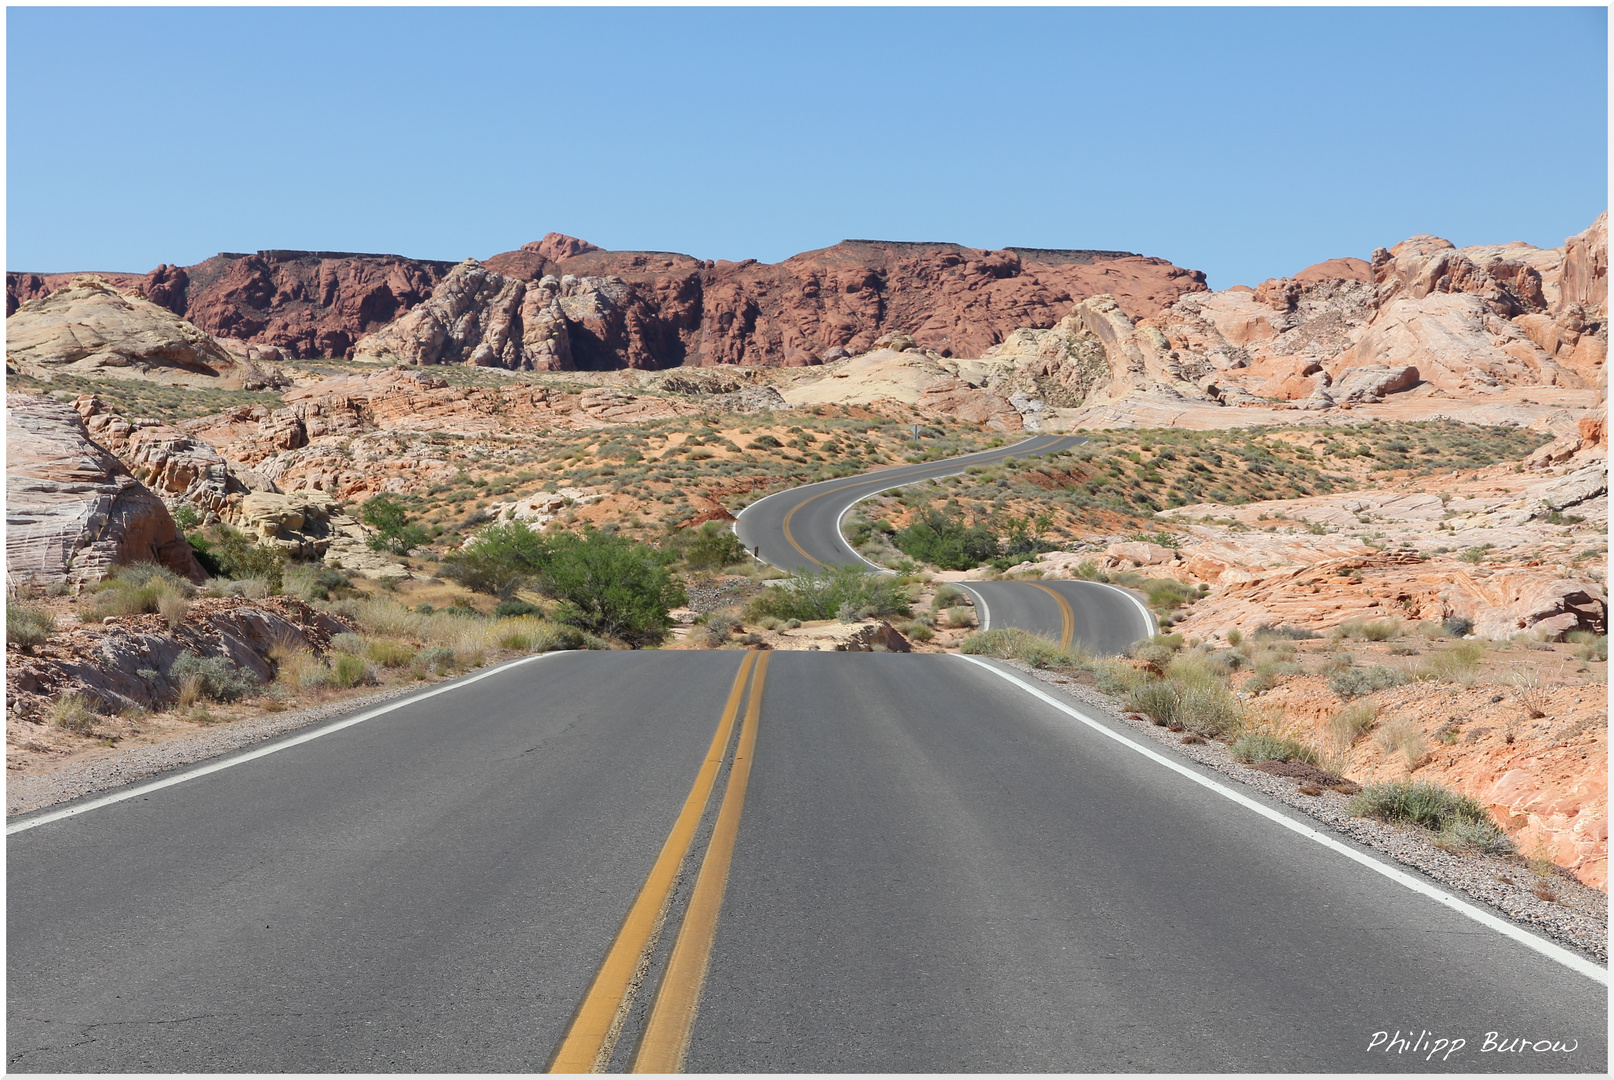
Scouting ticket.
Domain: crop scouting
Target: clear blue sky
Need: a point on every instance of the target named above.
(1246, 143)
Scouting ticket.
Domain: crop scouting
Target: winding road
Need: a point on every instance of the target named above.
(720, 861)
(801, 529)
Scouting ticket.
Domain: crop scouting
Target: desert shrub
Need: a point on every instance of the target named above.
(1351, 723)
(1530, 691)
(1459, 819)
(186, 516)
(1589, 647)
(1486, 837)
(250, 588)
(311, 581)
(1458, 625)
(948, 596)
(1234, 636)
(347, 643)
(505, 609)
(1405, 736)
(709, 547)
(554, 637)
(436, 659)
(1375, 630)
(822, 594)
(960, 618)
(917, 631)
(1259, 746)
(388, 653)
(1013, 643)
(393, 530)
(141, 589)
(1359, 682)
(1166, 594)
(217, 678)
(386, 616)
(27, 625)
(1291, 633)
(499, 560)
(73, 712)
(941, 538)
(1458, 664)
(715, 631)
(348, 670)
(238, 557)
(1203, 707)
(610, 585)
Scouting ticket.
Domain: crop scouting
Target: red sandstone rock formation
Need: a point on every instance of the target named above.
(654, 309)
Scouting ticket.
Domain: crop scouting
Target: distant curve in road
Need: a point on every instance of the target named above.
(1101, 619)
(800, 529)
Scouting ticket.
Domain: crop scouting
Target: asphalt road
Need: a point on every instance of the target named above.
(800, 529)
(934, 871)
(1104, 619)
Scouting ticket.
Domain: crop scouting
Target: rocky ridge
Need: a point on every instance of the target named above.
(639, 309)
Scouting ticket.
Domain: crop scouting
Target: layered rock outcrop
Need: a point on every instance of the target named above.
(90, 329)
(306, 303)
(72, 510)
(1422, 318)
(647, 309)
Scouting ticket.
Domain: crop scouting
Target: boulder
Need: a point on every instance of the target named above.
(1372, 382)
(72, 510)
(308, 524)
(89, 329)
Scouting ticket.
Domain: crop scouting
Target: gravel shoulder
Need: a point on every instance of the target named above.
(1577, 918)
(129, 764)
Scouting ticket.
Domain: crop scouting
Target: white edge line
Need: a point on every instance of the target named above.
(1151, 627)
(1551, 950)
(980, 602)
(192, 774)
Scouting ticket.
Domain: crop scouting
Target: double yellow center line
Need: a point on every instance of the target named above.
(591, 1040)
(1067, 617)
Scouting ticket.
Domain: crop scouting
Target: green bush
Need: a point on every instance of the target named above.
(825, 593)
(947, 596)
(1265, 632)
(393, 530)
(1359, 682)
(217, 678)
(1254, 748)
(1462, 821)
(388, 653)
(27, 626)
(505, 609)
(500, 560)
(1013, 643)
(608, 584)
(709, 547)
(348, 670)
(238, 557)
(943, 540)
